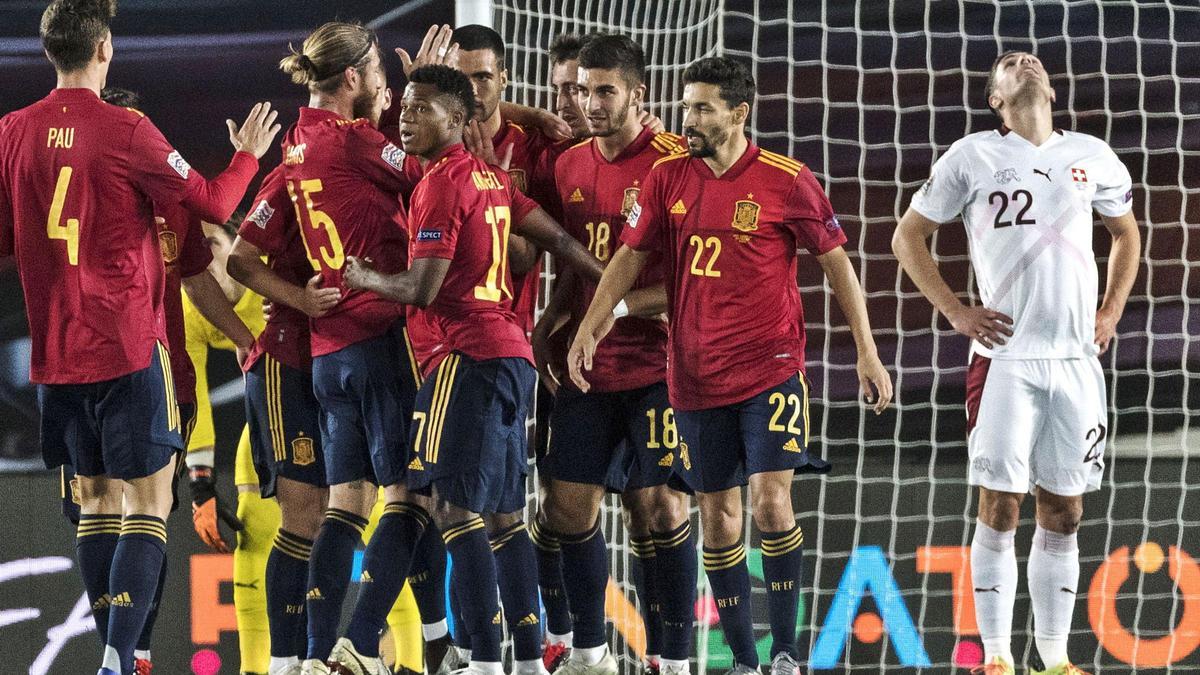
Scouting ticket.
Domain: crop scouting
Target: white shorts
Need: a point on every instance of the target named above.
(1036, 423)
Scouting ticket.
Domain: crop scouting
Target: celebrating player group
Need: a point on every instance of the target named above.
(398, 249)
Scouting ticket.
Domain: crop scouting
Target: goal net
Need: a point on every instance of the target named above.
(868, 94)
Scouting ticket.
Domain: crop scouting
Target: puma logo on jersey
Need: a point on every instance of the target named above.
(1045, 174)
(252, 585)
(993, 589)
(679, 209)
(576, 196)
(792, 446)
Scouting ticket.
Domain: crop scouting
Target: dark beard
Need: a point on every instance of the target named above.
(363, 106)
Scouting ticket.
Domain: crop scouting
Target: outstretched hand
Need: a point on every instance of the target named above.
(436, 49)
(257, 132)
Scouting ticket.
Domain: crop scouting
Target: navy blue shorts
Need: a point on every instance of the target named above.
(721, 448)
(623, 440)
(128, 427)
(69, 487)
(285, 425)
(366, 393)
(469, 433)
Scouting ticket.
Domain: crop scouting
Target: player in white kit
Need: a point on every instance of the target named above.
(1036, 410)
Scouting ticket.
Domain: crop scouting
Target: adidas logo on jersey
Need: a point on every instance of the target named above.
(365, 577)
(667, 459)
(792, 446)
(529, 620)
(314, 594)
(576, 196)
(416, 464)
(122, 600)
(496, 619)
(679, 209)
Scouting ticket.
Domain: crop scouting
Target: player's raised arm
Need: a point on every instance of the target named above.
(871, 373)
(977, 322)
(620, 276)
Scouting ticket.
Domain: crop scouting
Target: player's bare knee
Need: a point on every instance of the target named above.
(357, 497)
(668, 510)
(446, 514)
(571, 508)
(721, 517)
(497, 522)
(98, 494)
(1058, 513)
(999, 510)
(772, 511)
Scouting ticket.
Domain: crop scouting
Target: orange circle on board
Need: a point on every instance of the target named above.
(1148, 557)
(868, 627)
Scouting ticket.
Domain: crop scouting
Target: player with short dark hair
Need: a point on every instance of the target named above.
(620, 435)
(78, 178)
(469, 431)
(1037, 412)
(735, 367)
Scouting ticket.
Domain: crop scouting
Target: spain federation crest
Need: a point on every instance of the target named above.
(518, 179)
(631, 195)
(302, 451)
(168, 244)
(745, 215)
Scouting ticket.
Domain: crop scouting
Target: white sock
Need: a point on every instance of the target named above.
(463, 654)
(433, 631)
(565, 638)
(143, 654)
(1053, 574)
(487, 667)
(673, 665)
(994, 579)
(589, 655)
(281, 663)
(531, 667)
(112, 660)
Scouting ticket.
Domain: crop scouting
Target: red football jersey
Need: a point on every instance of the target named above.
(285, 336)
(463, 211)
(185, 253)
(729, 252)
(533, 174)
(79, 179)
(597, 195)
(428, 342)
(344, 179)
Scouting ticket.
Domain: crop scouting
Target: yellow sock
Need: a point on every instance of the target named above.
(261, 518)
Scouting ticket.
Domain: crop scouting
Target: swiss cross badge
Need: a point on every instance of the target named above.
(1079, 175)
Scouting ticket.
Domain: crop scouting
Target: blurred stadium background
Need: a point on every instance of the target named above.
(867, 93)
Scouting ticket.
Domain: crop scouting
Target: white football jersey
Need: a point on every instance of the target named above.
(1028, 214)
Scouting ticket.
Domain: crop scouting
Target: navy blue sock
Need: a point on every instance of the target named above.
(783, 565)
(143, 643)
(644, 568)
(676, 554)
(287, 573)
(475, 582)
(329, 577)
(462, 638)
(427, 576)
(518, 590)
(730, 581)
(385, 566)
(136, 564)
(95, 544)
(550, 580)
(585, 574)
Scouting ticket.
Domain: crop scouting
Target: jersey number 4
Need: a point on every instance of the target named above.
(1017, 197)
(54, 226)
